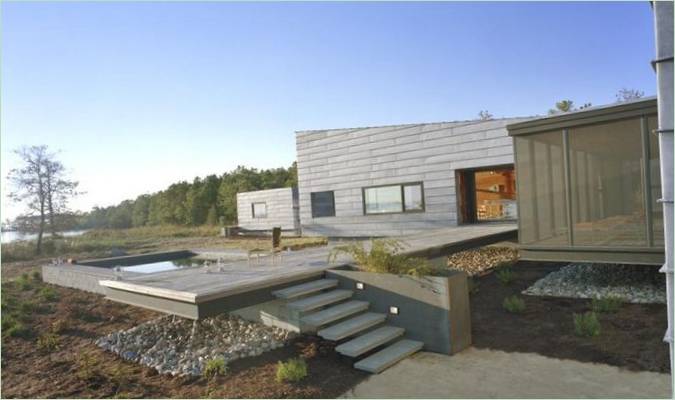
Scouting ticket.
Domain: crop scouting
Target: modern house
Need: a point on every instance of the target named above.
(262, 210)
(588, 185)
(403, 179)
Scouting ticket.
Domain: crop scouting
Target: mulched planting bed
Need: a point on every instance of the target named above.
(77, 368)
(631, 338)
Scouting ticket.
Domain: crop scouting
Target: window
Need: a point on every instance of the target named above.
(259, 210)
(407, 197)
(323, 204)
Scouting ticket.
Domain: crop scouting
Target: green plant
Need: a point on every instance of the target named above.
(120, 376)
(23, 282)
(7, 322)
(58, 326)
(48, 294)
(586, 324)
(86, 367)
(36, 275)
(384, 257)
(18, 330)
(504, 275)
(607, 304)
(292, 370)
(215, 367)
(514, 304)
(48, 342)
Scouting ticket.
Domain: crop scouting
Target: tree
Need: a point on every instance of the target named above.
(565, 106)
(484, 115)
(42, 185)
(628, 95)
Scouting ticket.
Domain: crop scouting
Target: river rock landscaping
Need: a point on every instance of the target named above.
(630, 283)
(480, 260)
(179, 346)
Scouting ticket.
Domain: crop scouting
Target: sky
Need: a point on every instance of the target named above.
(136, 96)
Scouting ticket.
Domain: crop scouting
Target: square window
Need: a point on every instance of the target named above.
(259, 210)
(323, 204)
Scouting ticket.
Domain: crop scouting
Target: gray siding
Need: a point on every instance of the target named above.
(282, 209)
(346, 160)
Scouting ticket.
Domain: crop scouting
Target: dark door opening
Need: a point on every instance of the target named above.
(487, 194)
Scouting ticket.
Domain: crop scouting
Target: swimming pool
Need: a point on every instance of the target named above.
(168, 265)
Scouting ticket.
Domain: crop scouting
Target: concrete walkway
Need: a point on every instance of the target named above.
(479, 373)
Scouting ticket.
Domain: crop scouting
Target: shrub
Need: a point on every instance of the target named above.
(23, 282)
(514, 304)
(607, 304)
(26, 307)
(384, 257)
(36, 275)
(215, 367)
(7, 322)
(58, 326)
(504, 275)
(292, 370)
(48, 342)
(586, 324)
(48, 294)
(18, 330)
(86, 367)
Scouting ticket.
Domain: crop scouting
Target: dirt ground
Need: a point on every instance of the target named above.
(77, 368)
(631, 338)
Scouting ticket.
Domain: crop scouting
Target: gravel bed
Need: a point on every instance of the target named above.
(475, 261)
(180, 346)
(631, 283)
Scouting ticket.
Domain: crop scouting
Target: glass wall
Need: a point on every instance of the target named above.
(541, 189)
(406, 197)
(495, 194)
(608, 207)
(612, 172)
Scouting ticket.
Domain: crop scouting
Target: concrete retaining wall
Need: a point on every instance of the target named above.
(433, 310)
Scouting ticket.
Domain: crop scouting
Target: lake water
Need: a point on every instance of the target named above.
(13, 236)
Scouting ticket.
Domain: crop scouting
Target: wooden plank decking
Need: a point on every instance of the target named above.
(196, 285)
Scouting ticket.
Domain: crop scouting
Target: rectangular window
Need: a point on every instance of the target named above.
(323, 204)
(407, 197)
(259, 210)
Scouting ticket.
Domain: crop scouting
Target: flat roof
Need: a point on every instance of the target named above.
(465, 122)
(584, 116)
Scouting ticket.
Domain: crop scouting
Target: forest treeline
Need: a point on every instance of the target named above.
(208, 200)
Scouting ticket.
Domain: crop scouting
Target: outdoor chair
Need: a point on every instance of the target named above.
(274, 252)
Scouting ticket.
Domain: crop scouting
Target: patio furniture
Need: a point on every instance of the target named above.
(274, 252)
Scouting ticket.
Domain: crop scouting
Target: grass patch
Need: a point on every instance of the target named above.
(292, 370)
(48, 294)
(514, 304)
(215, 367)
(87, 367)
(586, 325)
(609, 304)
(505, 275)
(48, 342)
(24, 282)
(58, 326)
(17, 329)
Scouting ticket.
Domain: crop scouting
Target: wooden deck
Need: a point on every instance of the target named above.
(197, 285)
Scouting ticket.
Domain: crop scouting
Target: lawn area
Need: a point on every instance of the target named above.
(19, 257)
(49, 351)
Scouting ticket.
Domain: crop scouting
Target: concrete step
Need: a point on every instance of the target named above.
(389, 356)
(335, 313)
(320, 300)
(352, 326)
(305, 288)
(369, 341)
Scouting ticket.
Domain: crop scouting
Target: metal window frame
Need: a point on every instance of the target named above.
(311, 200)
(253, 210)
(637, 111)
(401, 187)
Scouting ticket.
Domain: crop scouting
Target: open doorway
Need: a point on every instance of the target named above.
(487, 194)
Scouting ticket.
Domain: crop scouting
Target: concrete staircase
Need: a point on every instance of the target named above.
(360, 333)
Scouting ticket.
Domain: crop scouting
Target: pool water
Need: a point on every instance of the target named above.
(170, 265)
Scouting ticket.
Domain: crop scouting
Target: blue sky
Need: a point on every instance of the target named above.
(139, 95)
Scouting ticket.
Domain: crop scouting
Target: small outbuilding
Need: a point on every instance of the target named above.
(589, 185)
(262, 210)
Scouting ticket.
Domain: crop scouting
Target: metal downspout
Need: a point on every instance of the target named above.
(663, 64)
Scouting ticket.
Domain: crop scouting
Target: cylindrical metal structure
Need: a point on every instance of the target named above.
(663, 64)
